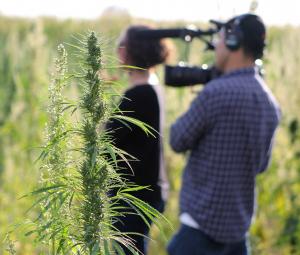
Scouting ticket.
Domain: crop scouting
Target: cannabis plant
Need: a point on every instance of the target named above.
(79, 164)
(54, 193)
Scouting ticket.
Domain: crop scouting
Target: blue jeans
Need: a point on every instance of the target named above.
(190, 241)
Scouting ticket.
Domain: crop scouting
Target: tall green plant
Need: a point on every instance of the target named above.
(52, 224)
(93, 169)
(56, 159)
(8, 90)
(79, 165)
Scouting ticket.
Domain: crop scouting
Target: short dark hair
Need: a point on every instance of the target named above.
(253, 33)
(144, 53)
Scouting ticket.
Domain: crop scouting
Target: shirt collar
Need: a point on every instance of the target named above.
(241, 71)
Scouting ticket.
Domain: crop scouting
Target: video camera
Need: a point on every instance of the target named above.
(183, 75)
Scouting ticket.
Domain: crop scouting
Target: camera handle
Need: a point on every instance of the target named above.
(186, 52)
(188, 37)
(188, 34)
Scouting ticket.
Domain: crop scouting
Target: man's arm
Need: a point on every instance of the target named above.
(187, 130)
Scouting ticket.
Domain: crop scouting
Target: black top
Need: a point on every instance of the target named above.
(140, 102)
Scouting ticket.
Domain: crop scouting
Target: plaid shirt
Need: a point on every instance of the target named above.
(228, 130)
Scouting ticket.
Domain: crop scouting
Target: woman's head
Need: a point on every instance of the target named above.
(141, 53)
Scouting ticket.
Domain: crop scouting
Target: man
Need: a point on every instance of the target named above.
(228, 131)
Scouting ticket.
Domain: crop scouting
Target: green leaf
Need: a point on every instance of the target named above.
(42, 190)
(135, 188)
(76, 47)
(112, 153)
(96, 249)
(148, 210)
(145, 127)
(30, 232)
(106, 248)
(118, 248)
(60, 245)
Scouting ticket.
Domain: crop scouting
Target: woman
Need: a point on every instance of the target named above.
(141, 101)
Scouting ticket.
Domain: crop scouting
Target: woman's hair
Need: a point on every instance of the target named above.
(143, 53)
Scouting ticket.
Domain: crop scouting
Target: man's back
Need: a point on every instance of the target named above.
(229, 130)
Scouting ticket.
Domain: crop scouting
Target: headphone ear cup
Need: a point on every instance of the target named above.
(232, 42)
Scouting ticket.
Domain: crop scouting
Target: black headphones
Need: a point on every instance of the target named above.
(234, 33)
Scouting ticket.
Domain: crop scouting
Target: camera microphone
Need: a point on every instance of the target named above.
(158, 33)
(148, 34)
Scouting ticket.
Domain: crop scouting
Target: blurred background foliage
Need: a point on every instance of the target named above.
(27, 48)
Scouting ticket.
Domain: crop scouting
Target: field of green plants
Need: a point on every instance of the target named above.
(27, 49)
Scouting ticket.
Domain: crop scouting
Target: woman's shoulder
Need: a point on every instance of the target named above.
(145, 90)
